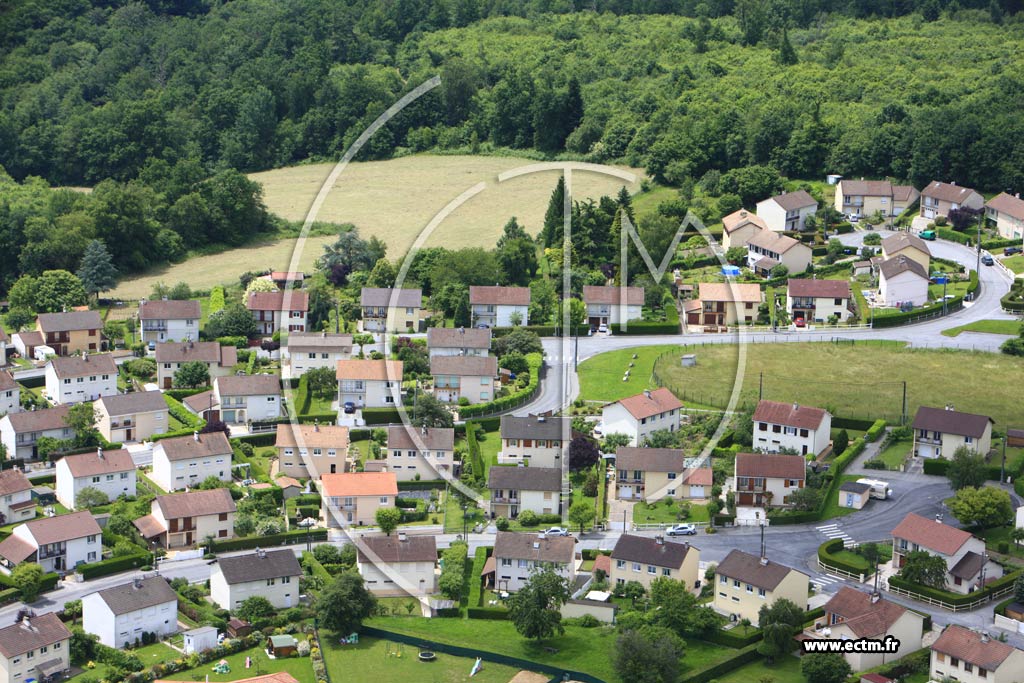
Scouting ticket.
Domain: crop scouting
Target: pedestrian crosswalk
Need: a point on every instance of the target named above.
(822, 582)
(832, 531)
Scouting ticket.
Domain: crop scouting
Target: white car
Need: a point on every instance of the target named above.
(681, 530)
(602, 329)
(557, 531)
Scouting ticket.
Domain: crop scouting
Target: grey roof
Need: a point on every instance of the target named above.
(791, 201)
(900, 264)
(969, 566)
(63, 527)
(381, 296)
(464, 366)
(81, 366)
(434, 439)
(537, 547)
(319, 340)
(951, 422)
(27, 421)
(534, 427)
(140, 594)
(525, 478)
(69, 321)
(207, 352)
(19, 638)
(258, 566)
(99, 462)
(196, 446)
(854, 487)
(195, 503)
(248, 385)
(13, 481)
(904, 240)
(749, 569)
(169, 309)
(458, 337)
(135, 402)
(650, 551)
(7, 382)
(395, 549)
(649, 459)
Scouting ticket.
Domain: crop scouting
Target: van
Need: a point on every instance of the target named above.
(879, 489)
(928, 234)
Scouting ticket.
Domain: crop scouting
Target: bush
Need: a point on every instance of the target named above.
(936, 466)
(528, 518)
(952, 235)
(453, 571)
(493, 613)
(876, 428)
(286, 538)
(112, 566)
(501, 524)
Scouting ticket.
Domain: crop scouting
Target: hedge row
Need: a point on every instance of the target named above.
(512, 400)
(955, 599)
(709, 673)
(640, 327)
(874, 431)
(422, 485)
(9, 595)
(850, 423)
(896, 319)
(936, 466)
(731, 639)
(182, 414)
(540, 330)
(825, 555)
(492, 613)
(264, 439)
(381, 416)
(999, 244)
(113, 565)
(310, 562)
(476, 576)
(284, 538)
(953, 236)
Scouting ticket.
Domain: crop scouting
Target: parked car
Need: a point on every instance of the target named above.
(1010, 251)
(800, 322)
(928, 235)
(349, 407)
(557, 531)
(483, 326)
(603, 329)
(681, 530)
(988, 260)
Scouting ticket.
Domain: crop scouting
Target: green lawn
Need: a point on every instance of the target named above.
(601, 375)
(987, 326)
(896, 453)
(453, 515)
(157, 653)
(832, 508)
(299, 667)
(371, 660)
(850, 557)
(363, 447)
(660, 513)
(997, 534)
(1015, 263)
(785, 670)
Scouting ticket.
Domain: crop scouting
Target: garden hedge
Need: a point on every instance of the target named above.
(113, 565)
(999, 244)
(493, 613)
(539, 330)
(422, 485)
(179, 394)
(258, 440)
(873, 432)
(284, 538)
(955, 599)
(640, 327)
(476, 580)
(896, 319)
(936, 466)
(825, 555)
(512, 400)
(709, 673)
(732, 639)
(381, 416)
(180, 413)
(850, 423)
(953, 236)
(9, 595)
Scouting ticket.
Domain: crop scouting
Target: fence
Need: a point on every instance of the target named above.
(965, 607)
(829, 569)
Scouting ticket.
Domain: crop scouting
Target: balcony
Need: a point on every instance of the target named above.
(122, 424)
(930, 440)
(504, 500)
(630, 480)
(158, 326)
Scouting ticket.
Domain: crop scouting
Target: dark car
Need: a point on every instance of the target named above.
(988, 260)
(349, 407)
(1010, 251)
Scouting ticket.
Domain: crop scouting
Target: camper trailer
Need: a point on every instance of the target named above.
(879, 489)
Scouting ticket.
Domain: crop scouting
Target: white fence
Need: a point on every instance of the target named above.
(1008, 624)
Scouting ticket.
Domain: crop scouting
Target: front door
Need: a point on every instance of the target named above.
(188, 538)
(167, 382)
(127, 435)
(334, 468)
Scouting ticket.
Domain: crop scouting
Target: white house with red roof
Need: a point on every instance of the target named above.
(637, 416)
(353, 498)
(967, 563)
(818, 300)
(279, 310)
(804, 429)
(960, 654)
(767, 480)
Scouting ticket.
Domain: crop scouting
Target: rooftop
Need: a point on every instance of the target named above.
(931, 534)
(867, 618)
(897, 265)
(319, 340)
(770, 466)
(397, 548)
(70, 321)
(48, 530)
(536, 547)
(464, 366)
(169, 309)
(903, 240)
(32, 633)
(47, 419)
(823, 289)
(973, 647)
(100, 462)
(248, 385)
(775, 242)
(13, 481)
(311, 436)
(740, 292)
(650, 403)
(370, 370)
(631, 296)
(949, 421)
(82, 366)
(866, 188)
(657, 551)
(207, 352)
(132, 403)
(500, 296)
(1009, 204)
(195, 446)
(259, 566)
(948, 192)
(524, 478)
(789, 414)
(138, 594)
(288, 300)
(535, 427)
(433, 438)
(792, 201)
(739, 218)
(195, 503)
(752, 569)
(458, 337)
(382, 296)
(359, 484)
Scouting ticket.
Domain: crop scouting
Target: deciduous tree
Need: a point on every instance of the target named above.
(344, 603)
(534, 608)
(986, 506)
(967, 468)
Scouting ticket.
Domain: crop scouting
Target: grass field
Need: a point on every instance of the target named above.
(987, 326)
(299, 667)
(369, 657)
(659, 513)
(1015, 263)
(601, 375)
(784, 670)
(896, 453)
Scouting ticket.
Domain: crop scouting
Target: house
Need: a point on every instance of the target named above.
(170, 356)
(199, 639)
(642, 559)
(120, 615)
(768, 249)
(353, 498)
(452, 341)
(650, 474)
(179, 520)
(854, 495)
(534, 440)
(803, 429)
(16, 502)
(961, 654)
(112, 473)
(290, 488)
(185, 461)
(1006, 211)
(10, 394)
(247, 398)
(514, 489)
(283, 278)
(398, 564)
(73, 379)
(272, 574)
(909, 245)
(745, 582)
(637, 416)
(391, 310)
(613, 305)
(726, 304)
(939, 199)
(35, 648)
(306, 351)
(739, 227)
(26, 343)
(903, 197)
(902, 280)
(57, 544)
(855, 615)
(868, 197)
(20, 432)
(281, 310)
(788, 211)
(71, 331)
(768, 480)
(468, 377)
(132, 417)
(369, 383)
(818, 300)
(306, 451)
(421, 454)
(4, 343)
(168, 320)
(938, 432)
(516, 554)
(968, 565)
(496, 306)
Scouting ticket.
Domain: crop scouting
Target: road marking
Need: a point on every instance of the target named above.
(832, 532)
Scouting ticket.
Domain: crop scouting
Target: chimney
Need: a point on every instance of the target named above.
(743, 214)
(541, 418)
(261, 553)
(796, 407)
(323, 334)
(195, 435)
(764, 561)
(536, 545)
(99, 452)
(647, 393)
(163, 298)
(660, 540)
(316, 425)
(402, 538)
(137, 582)
(875, 597)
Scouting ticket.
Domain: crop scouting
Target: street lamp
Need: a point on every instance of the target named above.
(307, 524)
(465, 523)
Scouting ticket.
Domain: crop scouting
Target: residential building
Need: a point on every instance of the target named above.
(613, 305)
(903, 197)
(458, 341)
(968, 565)
(517, 554)
(1006, 211)
(768, 480)
(744, 583)
(307, 451)
(398, 564)
(304, 351)
(20, 432)
(71, 331)
(16, 502)
(726, 304)
(514, 489)
(788, 211)
(26, 343)
(73, 379)
(57, 544)
(353, 498)
(186, 461)
(10, 394)
(170, 356)
(391, 310)
(854, 494)
(779, 425)
(939, 199)
(112, 473)
(421, 454)
(271, 574)
(902, 281)
(909, 245)
(642, 559)
(818, 300)
(534, 440)
(739, 227)
(867, 197)
(650, 474)
(961, 654)
(495, 306)
(284, 278)
(5, 341)
(180, 520)
(469, 377)
(938, 432)
(281, 310)
(168, 320)
(768, 249)
(35, 648)
(247, 398)
(637, 416)
(369, 383)
(119, 616)
(132, 417)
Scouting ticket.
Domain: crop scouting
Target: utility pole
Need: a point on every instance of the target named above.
(903, 418)
(981, 217)
(760, 386)
(1002, 468)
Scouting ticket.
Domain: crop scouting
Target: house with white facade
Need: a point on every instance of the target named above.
(637, 416)
(902, 280)
(73, 379)
(939, 199)
(534, 440)
(180, 520)
(281, 310)
(650, 474)
(247, 398)
(469, 377)
(307, 451)
(779, 425)
(186, 461)
(398, 564)
(369, 383)
(739, 227)
(168, 320)
(112, 473)
(170, 356)
(495, 306)
(271, 574)
(16, 502)
(909, 245)
(968, 565)
(35, 647)
(514, 489)
(939, 432)
(20, 432)
(1006, 212)
(613, 305)
(425, 454)
(767, 249)
(391, 310)
(744, 583)
(517, 554)
(132, 417)
(353, 498)
(119, 615)
(10, 394)
(458, 341)
(768, 480)
(788, 211)
(818, 301)
(305, 351)
(960, 654)
(57, 544)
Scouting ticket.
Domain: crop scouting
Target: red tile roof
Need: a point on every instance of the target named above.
(967, 645)
(791, 201)
(1008, 204)
(865, 618)
(500, 296)
(634, 296)
(824, 289)
(359, 484)
(291, 300)
(770, 466)
(169, 310)
(948, 192)
(370, 370)
(742, 217)
(650, 403)
(789, 414)
(931, 534)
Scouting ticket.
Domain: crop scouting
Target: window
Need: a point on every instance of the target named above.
(762, 426)
(837, 302)
(92, 378)
(523, 564)
(271, 582)
(651, 569)
(968, 439)
(106, 376)
(791, 431)
(968, 668)
(953, 661)
(95, 480)
(110, 477)
(620, 564)
(671, 475)
(636, 566)
(665, 571)
(222, 517)
(67, 381)
(383, 500)
(761, 593)
(505, 562)
(286, 579)
(723, 580)
(750, 589)
(735, 583)
(124, 475)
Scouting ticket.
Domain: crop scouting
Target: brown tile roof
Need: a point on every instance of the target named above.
(527, 546)
(967, 645)
(359, 484)
(1008, 204)
(604, 563)
(169, 310)
(650, 403)
(868, 188)
(381, 296)
(500, 296)
(197, 403)
(824, 289)
(39, 420)
(149, 526)
(748, 569)
(535, 427)
(524, 478)
(101, 462)
(259, 566)
(78, 366)
(195, 503)
(770, 466)
(969, 566)
(903, 240)
(31, 338)
(931, 534)
(207, 352)
(854, 487)
(649, 459)
(70, 321)
(791, 201)
(287, 482)
(458, 337)
(284, 275)
(951, 422)
(948, 192)
(739, 218)
(775, 241)
(311, 436)
(391, 549)
(195, 446)
(649, 551)
(904, 193)
(434, 439)
(897, 265)
(464, 366)
(45, 629)
(63, 527)
(634, 296)
(742, 292)
(319, 340)
(140, 594)
(134, 402)
(366, 369)
(7, 382)
(865, 618)
(290, 300)
(789, 414)
(15, 550)
(13, 481)
(248, 385)
(765, 263)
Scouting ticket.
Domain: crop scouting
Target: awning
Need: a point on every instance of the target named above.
(50, 667)
(489, 566)
(23, 504)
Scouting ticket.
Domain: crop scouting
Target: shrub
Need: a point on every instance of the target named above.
(501, 524)
(874, 430)
(528, 518)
